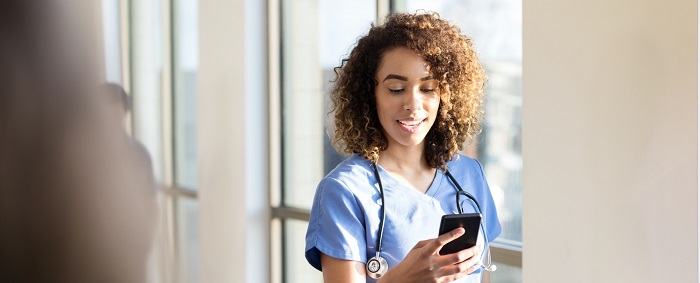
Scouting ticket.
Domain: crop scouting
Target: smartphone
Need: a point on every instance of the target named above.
(469, 221)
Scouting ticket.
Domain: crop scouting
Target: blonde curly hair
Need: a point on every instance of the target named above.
(451, 60)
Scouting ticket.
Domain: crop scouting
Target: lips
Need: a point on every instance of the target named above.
(411, 125)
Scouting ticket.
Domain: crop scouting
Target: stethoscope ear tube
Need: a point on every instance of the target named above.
(489, 266)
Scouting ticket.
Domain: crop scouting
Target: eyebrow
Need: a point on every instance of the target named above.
(402, 78)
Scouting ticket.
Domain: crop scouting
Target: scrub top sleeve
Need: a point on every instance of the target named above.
(488, 207)
(336, 227)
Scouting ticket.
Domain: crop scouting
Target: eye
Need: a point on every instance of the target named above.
(427, 90)
(396, 90)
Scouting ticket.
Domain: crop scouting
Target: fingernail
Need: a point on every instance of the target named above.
(458, 231)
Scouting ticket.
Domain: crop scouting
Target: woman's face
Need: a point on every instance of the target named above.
(407, 97)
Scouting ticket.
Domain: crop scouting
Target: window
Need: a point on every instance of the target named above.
(111, 31)
(316, 34)
(184, 96)
(143, 70)
(151, 48)
(185, 62)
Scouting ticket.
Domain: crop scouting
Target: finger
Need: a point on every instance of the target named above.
(443, 239)
(460, 256)
(463, 268)
(459, 270)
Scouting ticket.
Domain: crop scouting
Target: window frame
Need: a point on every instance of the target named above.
(171, 267)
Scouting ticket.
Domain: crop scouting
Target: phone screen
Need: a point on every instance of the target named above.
(469, 221)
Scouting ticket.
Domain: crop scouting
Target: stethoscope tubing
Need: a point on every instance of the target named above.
(383, 212)
(460, 191)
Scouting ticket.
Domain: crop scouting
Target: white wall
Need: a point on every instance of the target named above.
(234, 207)
(610, 145)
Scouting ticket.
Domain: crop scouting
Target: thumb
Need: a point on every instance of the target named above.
(443, 239)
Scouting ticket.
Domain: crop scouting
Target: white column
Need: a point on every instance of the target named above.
(610, 141)
(232, 89)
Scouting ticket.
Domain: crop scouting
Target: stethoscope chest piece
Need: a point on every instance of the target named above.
(377, 267)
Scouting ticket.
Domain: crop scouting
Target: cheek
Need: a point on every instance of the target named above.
(433, 105)
(381, 108)
(387, 102)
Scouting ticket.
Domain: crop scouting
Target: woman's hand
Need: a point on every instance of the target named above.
(424, 263)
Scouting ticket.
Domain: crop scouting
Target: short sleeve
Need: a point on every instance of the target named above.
(488, 207)
(337, 226)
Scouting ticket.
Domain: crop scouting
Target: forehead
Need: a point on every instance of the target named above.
(404, 62)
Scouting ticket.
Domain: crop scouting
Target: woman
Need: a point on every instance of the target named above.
(406, 100)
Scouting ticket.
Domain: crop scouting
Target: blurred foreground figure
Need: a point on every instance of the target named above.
(118, 104)
(72, 207)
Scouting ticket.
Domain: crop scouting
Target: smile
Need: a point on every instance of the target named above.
(411, 126)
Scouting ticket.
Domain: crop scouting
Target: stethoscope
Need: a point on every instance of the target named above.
(377, 265)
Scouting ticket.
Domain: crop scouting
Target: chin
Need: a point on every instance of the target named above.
(411, 142)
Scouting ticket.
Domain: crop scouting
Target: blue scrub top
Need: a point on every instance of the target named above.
(346, 211)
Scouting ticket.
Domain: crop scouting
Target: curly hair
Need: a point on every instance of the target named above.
(451, 60)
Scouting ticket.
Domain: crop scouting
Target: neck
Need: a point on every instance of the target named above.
(396, 158)
(408, 166)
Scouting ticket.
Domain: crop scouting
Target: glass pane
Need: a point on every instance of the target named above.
(296, 268)
(316, 35)
(112, 42)
(188, 239)
(496, 27)
(146, 77)
(507, 274)
(185, 65)
(157, 258)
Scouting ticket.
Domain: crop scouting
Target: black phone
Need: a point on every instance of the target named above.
(469, 221)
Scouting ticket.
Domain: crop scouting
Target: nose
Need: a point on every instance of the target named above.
(413, 100)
